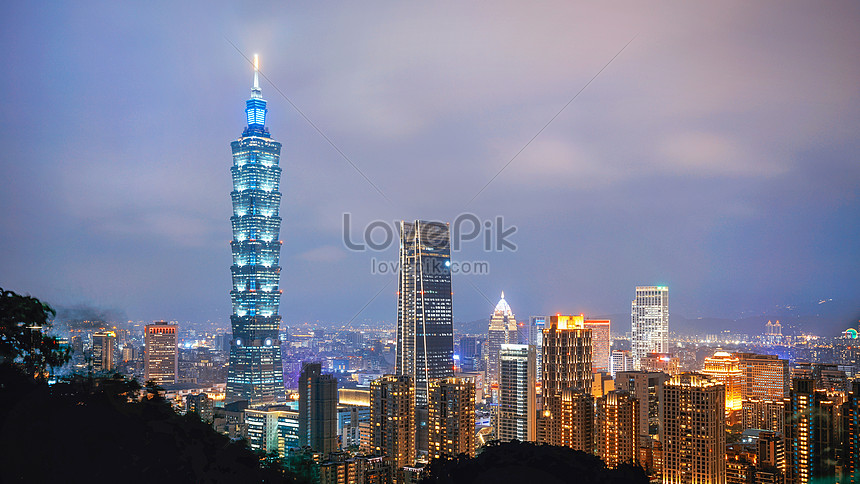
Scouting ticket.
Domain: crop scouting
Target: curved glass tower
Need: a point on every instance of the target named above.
(255, 373)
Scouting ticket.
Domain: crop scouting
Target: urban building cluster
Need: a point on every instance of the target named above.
(375, 405)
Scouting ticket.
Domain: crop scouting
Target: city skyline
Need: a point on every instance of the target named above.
(742, 142)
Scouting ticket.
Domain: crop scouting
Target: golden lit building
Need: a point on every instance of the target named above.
(566, 383)
(693, 430)
(392, 419)
(764, 414)
(600, 344)
(617, 428)
(104, 350)
(725, 368)
(765, 376)
(161, 358)
(451, 411)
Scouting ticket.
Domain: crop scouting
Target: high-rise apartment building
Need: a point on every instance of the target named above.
(849, 459)
(392, 419)
(621, 360)
(576, 419)
(812, 429)
(649, 322)
(600, 343)
(318, 399)
(724, 367)
(517, 398)
(104, 350)
(647, 389)
(536, 327)
(668, 364)
(255, 373)
(617, 428)
(566, 381)
(693, 430)
(451, 411)
(502, 331)
(161, 358)
(765, 376)
(759, 413)
(425, 334)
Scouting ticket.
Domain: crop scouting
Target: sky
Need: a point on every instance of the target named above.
(716, 152)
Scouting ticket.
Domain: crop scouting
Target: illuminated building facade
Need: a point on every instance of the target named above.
(773, 333)
(600, 343)
(647, 389)
(621, 360)
(649, 322)
(451, 411)
(693, 430)
(517, 397)
(763, 414)
(724, 368)
(813, 432)
(664, 362)
(536, 327)
(849, 462)
(576, 419)
(617, 428)
(765, 376)
(392, 419)
(104, 350)
(566, 380)
(255, 373)
(161, 358)
(318, 400)
(425, 334)
(503, 330)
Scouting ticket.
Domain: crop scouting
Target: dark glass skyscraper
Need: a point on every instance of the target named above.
(425, 334)
(255, 372)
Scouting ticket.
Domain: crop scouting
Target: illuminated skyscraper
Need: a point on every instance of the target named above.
(517, 398)
(502, 331)
(617, 428)
(255, 372)
(647, 388)
(600, 343)
(392, 419)
(451, 417)
(812, 429)
(425, 332)
(724, 367)
(621, 360)
(693, 430)
(650, 322)
(567, 380)
(765, 376)
(104, 350)
(161, 358)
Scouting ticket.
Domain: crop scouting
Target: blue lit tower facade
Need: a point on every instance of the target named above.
(255, 372)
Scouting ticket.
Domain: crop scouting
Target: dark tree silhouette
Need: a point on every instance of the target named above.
(24, 342)
(518, 462)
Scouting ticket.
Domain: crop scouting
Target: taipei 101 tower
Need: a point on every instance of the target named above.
(255, 372)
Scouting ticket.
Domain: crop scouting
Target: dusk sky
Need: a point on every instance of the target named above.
(717, 154)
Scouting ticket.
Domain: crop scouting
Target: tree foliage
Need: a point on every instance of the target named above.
(24, 339)
(518, 462)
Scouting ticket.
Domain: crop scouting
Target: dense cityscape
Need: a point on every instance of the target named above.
(419, 397)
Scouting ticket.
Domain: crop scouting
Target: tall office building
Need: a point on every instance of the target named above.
(600, 342)
(724, 368)
(502, 331)
(451, 411)
(647, 388)
(765, 376)
(849, 461)
(255, 373)
(425, 334)
(649, 322)
(392, 419)
(161, 358)
(104, 350)
(693, 430)
(566, 380)
(318, 400)
(536, 327)
(617, 428)
(517, 398)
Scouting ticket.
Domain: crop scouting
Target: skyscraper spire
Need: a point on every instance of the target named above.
(256, 72)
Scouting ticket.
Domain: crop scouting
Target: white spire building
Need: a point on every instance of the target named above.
(502, 331)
